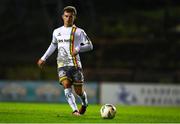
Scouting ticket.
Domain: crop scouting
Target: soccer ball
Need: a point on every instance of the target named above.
(108, 111)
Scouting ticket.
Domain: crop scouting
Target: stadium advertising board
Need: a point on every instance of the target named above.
(139, 94)
(40, 91)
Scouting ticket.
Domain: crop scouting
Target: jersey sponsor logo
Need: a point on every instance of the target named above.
(63, 40)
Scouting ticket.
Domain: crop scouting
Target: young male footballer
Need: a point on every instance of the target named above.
(70, 41)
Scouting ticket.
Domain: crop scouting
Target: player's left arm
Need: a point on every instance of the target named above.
(85, 43)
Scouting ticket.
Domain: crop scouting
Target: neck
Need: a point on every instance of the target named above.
(68, 25)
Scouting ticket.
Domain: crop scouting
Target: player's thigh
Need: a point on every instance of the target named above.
(64, 77)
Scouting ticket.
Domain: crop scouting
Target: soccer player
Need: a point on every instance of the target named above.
(70, 41)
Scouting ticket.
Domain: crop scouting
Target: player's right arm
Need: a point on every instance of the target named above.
(48, 52)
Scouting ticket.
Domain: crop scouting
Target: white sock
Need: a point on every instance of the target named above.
(83, 99)
(70, 98)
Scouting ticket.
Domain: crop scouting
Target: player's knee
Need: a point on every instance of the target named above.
(66, 84)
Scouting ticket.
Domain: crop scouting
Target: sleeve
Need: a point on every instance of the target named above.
(49, 51)
(52, 47)
(54, 40)
(85, 43)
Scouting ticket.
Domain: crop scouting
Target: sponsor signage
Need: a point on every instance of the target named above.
(139, 94)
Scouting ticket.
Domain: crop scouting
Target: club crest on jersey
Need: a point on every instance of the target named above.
(59, 34)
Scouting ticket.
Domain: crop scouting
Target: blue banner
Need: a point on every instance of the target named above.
(41, 91)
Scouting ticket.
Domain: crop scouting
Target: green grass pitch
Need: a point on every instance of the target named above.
(61, 113)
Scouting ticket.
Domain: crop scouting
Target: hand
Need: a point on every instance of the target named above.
(40, 63)
(76, 50)
(74, 53)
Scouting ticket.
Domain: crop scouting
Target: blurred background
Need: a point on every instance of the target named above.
(135, 42)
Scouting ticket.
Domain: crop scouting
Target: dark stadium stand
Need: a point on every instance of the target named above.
(135, 41)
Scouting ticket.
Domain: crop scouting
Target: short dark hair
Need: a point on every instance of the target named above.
(70, 9)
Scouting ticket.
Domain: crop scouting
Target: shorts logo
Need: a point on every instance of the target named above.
(62, 73)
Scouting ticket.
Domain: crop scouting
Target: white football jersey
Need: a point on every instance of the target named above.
(66, 39)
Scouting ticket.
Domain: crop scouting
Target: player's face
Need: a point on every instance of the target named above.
(68, 18)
